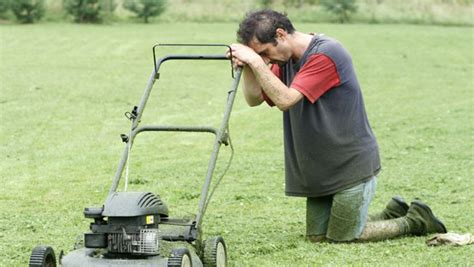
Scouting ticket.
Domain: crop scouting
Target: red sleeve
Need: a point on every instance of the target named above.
(316, 77)
(276, 70)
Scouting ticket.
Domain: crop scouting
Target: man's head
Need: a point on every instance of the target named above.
(266, 32)
(263, 25)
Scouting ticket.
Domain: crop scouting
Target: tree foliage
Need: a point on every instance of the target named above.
(288, 3)
(343, 9)
(4, 6)
(84, 11)
(145, 8)
(266, 3)
(27, 11)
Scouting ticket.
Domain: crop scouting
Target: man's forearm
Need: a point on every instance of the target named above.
(282, 96)
(252, 90)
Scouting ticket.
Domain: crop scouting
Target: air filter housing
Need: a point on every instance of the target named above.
(130, 204)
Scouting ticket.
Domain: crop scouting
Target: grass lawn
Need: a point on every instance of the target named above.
(64, 89)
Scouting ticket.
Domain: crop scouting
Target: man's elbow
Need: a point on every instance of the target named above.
(284, 107)
(253, 101)
(289, 101)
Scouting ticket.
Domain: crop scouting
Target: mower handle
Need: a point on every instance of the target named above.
(195, 57)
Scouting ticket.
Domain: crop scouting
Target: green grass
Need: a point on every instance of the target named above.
(64, 89)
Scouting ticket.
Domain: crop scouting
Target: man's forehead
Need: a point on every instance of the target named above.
(256, 45)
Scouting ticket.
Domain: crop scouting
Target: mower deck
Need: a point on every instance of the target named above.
(95, 258)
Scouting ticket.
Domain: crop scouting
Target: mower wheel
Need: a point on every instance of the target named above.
(42, 256)
(180, 257)
(215, 252)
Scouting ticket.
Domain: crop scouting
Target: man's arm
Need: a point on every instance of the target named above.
(252, 89)
(282, 96)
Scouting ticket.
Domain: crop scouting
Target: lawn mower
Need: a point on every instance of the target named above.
(131, 228)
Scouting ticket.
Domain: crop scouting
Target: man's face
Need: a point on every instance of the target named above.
(271, 53)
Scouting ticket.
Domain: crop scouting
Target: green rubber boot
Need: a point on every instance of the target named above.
(396, 208)
(422, 221)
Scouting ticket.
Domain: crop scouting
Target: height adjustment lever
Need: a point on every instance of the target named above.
(124, 138)
(133, 114)
(225, 139)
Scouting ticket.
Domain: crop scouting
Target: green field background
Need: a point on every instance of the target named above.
(440, 12)
(64, 89)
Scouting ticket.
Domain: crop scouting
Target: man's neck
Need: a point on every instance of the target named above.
(300, 42)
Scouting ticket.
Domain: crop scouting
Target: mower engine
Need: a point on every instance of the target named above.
(126, 224)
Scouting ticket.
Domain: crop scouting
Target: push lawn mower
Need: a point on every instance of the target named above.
(128, 230)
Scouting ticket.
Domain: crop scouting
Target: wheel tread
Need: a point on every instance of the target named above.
(210, 251)
(39, 257)
(176, 257)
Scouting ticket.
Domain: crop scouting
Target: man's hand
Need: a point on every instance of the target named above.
(242, 55)
(258, 77)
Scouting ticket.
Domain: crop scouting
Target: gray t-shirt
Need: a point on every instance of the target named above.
(329, 145)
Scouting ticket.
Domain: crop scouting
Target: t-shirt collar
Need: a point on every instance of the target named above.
(296, 65)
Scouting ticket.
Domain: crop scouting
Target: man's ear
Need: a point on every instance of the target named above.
(280, 33)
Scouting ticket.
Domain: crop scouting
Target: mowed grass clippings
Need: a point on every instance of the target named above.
(64, 90)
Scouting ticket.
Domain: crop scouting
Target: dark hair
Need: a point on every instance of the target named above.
(263, 25)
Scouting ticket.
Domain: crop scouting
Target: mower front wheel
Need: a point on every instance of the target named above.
(42, 256)
(180, 257)
(215, 252)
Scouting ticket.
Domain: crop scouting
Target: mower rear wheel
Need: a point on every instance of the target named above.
(215, 252)
(180, 257)
(42, 256)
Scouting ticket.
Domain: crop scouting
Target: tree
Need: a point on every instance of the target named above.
(145, 8)
(266, 3)
(343, 9)
(293, 3)
(27, 11)
(84, 10)
(108, 8)
(4, 7)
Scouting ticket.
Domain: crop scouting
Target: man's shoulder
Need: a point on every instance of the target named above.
(325, 44)
(329, 47)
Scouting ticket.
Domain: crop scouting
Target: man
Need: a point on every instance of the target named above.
(331, 154)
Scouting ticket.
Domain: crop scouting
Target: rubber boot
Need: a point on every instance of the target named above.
(396, 208)
(421, 220)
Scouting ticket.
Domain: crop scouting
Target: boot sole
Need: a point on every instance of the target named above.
(430, 212)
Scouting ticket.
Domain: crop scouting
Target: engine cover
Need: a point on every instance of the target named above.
(131, 204)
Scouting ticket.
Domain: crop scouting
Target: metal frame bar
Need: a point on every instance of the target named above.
(221, 134)
(195, 45)
(143, 101)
